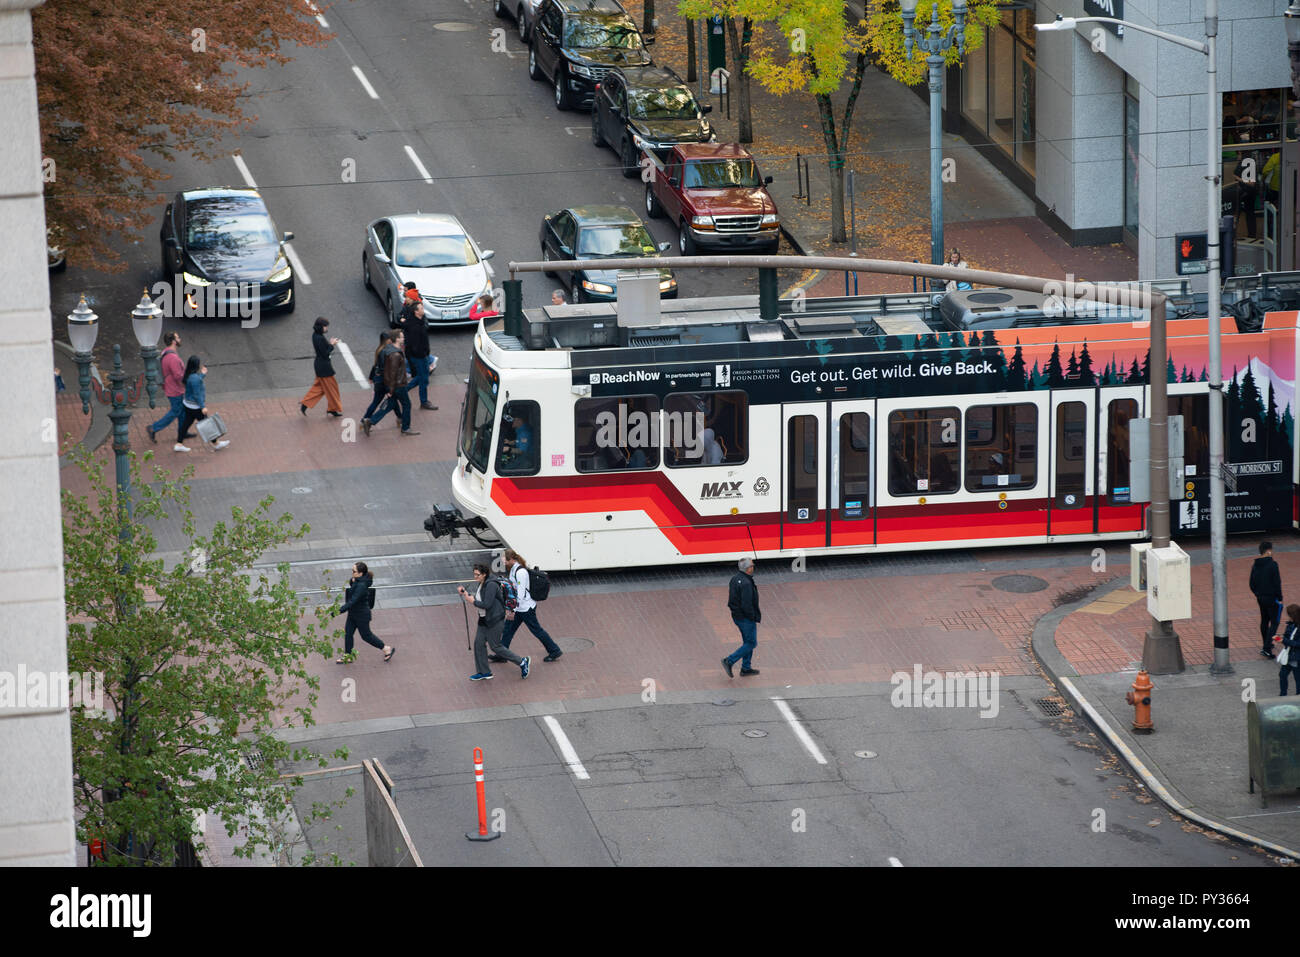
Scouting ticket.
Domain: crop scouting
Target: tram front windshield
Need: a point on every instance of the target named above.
(480, 414)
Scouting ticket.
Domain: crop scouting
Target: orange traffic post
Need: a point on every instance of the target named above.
(482, 834)
(1140, 699)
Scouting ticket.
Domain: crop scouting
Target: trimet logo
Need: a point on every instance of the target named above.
(614, 378)
(721, 490)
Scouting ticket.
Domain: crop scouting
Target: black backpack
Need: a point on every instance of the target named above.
(539, 584)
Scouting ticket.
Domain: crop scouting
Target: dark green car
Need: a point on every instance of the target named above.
(599, 232)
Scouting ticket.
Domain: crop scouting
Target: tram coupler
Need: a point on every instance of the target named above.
(446, 520)
(1140, 699)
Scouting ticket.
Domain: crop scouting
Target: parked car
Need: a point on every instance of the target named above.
(222, 237)
(575, 43)
(434, 251)
(524, 13)
(715, 195)
(599, 232)
(646, 108)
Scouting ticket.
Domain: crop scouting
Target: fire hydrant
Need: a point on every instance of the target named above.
(1140, 699)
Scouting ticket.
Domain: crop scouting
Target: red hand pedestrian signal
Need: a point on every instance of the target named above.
(1187, 249)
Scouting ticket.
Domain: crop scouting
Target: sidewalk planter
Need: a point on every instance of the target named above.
(1273, 729)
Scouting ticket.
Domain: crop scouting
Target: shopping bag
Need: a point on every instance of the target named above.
(211, 428)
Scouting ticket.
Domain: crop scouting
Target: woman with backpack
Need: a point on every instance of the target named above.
(489, 599)
(1291, 649)
(194, 405)
(377, 380)
(357, 603)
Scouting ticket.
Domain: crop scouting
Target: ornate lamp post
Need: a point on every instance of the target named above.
(938, 43)
(83, 330)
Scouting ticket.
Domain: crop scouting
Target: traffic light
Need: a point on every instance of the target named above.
(1191, 253)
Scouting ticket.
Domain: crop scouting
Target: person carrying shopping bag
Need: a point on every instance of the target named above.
(195, 408)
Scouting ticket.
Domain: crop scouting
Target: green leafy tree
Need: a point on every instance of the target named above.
(739, 17)
(198, 664)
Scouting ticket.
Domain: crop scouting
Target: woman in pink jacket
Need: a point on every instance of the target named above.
(173, 372)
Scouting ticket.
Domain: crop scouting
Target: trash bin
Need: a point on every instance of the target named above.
(1273, 731)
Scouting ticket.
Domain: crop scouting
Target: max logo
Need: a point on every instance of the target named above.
(720, 490)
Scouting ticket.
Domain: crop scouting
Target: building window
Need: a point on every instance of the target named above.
(1253, 124)
(998, 90)
(1132, 127)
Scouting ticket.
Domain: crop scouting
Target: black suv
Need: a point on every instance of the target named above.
(575, 43)
(646, 108)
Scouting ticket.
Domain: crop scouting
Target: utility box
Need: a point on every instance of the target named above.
(1273, 733)
(1139, 445)
(1137, 565)
(1169, 583)
(638, 298)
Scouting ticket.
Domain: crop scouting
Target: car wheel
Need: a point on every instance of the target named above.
(365, 272)
(546, 257)
(392, 314)
(563, 101)
(630, 167)
(654, 209)
(499, 9)
(685, 241)
(534, 71)
(523, 25)
(596, 138)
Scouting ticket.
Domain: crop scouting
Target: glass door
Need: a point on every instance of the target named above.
(1074, 449)
(852, 488)
(803, 489)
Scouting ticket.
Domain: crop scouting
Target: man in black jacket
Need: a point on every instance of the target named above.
(416, 329)
(1266, 584)
(742, 599)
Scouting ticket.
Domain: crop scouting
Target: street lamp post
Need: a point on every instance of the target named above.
(938, 43)
(1162, 653)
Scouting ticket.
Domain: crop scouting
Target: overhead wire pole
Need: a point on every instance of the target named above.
(1161, 652)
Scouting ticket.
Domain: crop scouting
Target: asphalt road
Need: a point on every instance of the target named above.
(499, 154)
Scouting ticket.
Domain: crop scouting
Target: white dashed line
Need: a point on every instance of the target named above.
(418, 165)
(297, 265)
(366, 83)
(895, 862)
(243, 171)
(566, 749)
(799, 731)
(316, 10)
(352, 364)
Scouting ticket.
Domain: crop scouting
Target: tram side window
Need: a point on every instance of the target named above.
(924, 450)
(1119, 414)
(1071, 454)
(801, 466)
(855, 465)
(1001, 447)
(521, 437)
(616, 434)
(706, 428)
(1195, 410)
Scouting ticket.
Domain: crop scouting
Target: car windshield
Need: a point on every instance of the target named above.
(721, 174)
(230, 224)
(596, 34)
(674, 104)
(629, 240)
(426, 252)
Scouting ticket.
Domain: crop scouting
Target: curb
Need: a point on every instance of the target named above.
(803, 248)
(1059, 670)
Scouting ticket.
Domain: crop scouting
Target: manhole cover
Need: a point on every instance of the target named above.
(1019, 583)
(724, 703)
(454, 26)
(300, 490)
(754, 733)
(1052, 707)
(864, 754)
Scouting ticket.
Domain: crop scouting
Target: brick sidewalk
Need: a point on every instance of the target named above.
(813, 633)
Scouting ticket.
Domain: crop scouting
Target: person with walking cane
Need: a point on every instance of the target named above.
(491, 607)
(326, 384)
(357, 603)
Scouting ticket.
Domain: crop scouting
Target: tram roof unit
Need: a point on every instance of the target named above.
(716, 327)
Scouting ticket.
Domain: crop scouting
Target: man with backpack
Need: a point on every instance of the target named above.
(1266, 585)
(492, 603)
(526, 611)
(742, 599)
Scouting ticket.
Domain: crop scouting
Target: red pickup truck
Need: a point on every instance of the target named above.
(714, 194)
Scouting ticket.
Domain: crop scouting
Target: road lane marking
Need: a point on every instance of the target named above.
(243, 171)
(580, 129)
(566, 749)
(297, 265)
(895, 862)
(799, 731)
(352, 364)
(366, 83)
(418, 165)
(320, 19)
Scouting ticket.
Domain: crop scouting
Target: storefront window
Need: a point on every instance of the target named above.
(1253, 124)
(1132, 127)
(998, 94)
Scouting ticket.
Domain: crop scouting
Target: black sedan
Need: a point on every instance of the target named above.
(646, 108)
(224, 246)
(599, 232)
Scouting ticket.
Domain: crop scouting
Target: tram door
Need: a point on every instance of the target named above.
(1116, 511)
(1073, 446)
(852, 497)
(803, 479)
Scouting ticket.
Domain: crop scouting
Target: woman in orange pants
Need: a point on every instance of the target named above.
(325, 384)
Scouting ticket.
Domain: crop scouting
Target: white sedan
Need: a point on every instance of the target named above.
(433, 251)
